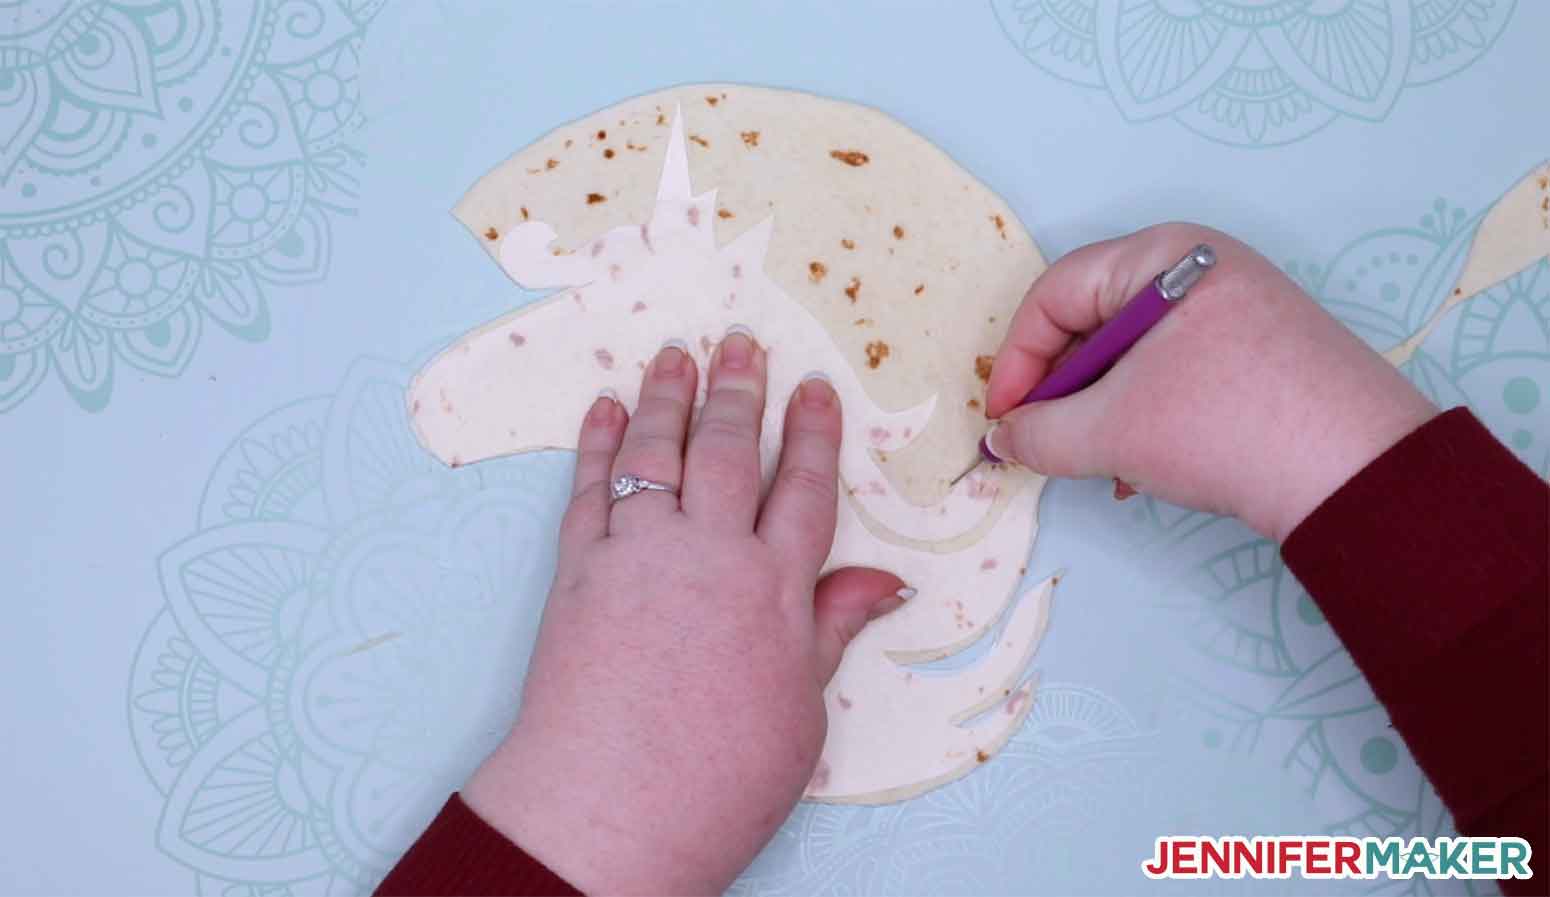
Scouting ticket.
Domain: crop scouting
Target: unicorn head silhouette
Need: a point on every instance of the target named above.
(521, 383)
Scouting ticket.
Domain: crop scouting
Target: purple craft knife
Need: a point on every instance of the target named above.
(1114, 338)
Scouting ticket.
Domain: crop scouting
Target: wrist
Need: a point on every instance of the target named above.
(1336, 447)
(581, 828)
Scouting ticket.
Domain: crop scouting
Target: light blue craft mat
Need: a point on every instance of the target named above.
(208, 494)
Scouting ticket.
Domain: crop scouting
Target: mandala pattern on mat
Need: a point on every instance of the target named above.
(1253, 72)
(162, 167)
(339, 645)
(1278, 682)
(1076, 761)
(338, 649)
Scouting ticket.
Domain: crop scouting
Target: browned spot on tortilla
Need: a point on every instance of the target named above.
(661, 119)
(724, 214)
(568, 142)
(638, 307)
(981, 756)
(608, 154)
(595, 198)
(602, 135)
(898, 232)
(1544, 182)
(524, 213)
(713, 100)
(982, 364)
(605, 359)
(695, 138)
(853, 289)
(632, 145)
(492, 234)
(974, 403)
(848, 243)
(876, 351)
(517, 339)
(853, 158)
(1458, 291)
(1000, 225)
(919, 288)
(816, 271)
(864, 322)
(844, 702)
(1122, 489)
(552, 164)
(750, 138)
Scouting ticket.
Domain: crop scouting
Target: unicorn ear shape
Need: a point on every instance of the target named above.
(753, 243)
(527, 255)
(674, 185)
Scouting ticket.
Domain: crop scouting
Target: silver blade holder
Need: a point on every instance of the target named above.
(1176, 281)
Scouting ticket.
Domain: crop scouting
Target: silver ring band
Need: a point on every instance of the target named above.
(629, 484)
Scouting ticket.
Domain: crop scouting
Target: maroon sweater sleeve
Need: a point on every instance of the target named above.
(461, 854)
(1431, 565)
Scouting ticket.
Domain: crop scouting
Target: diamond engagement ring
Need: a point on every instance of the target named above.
(629, 484)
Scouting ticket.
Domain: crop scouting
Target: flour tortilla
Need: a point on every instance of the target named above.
(961, 246)
(641, 243)
(1514, 234)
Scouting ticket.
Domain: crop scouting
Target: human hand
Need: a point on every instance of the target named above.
(673, 710)
(1248, 399)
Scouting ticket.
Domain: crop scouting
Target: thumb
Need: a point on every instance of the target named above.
(843, 602)
(1058, 438)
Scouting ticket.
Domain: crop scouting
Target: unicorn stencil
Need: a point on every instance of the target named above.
(522, 382)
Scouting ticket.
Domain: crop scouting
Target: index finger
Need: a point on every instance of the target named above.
(1073, 297)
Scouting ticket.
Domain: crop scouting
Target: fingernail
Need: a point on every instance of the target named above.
(815, 391)
(1000, 442)
(737, 347)
(891, 603)
(603, 407)
(670, 361)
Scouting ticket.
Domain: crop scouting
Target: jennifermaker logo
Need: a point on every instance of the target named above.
(1338, 857)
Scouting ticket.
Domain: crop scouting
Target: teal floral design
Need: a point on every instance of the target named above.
(163, 166)
(1496, 359)
(1078, 758)
(1253, 72)
(1266, 674)
(338, 645)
